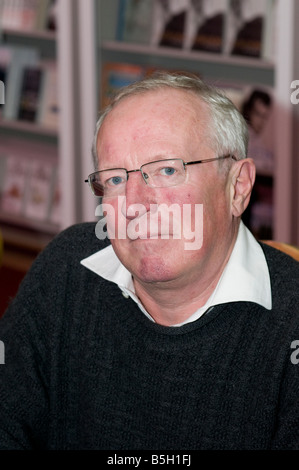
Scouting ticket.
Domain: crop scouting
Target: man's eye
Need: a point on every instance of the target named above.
(168, 171)
(114, 181)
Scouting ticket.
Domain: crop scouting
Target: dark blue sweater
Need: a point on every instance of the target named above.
(85, 369)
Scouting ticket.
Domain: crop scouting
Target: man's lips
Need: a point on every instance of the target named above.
(147, 228)
(150, 236)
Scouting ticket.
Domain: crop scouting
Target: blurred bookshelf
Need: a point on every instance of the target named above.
(28, 56)
(37, 130)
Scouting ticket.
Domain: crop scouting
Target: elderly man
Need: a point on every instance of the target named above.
(180, 334)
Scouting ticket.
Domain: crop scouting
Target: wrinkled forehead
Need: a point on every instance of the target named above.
(165, 117)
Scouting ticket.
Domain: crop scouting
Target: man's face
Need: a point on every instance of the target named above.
(157, 125)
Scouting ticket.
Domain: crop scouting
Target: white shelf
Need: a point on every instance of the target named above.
(184, 54)
(34, 34)
(29, 127)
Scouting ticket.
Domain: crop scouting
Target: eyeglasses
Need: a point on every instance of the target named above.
(157, 174)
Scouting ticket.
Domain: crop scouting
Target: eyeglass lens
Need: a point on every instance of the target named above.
(158, 174)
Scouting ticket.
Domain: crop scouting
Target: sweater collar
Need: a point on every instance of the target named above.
(245, 278)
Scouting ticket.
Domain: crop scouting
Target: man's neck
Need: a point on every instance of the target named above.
(173, 302)
(170, 306)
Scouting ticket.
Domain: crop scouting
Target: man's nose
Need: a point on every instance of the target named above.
(139, 196)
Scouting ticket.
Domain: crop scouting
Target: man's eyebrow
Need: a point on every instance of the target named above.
(165, 156)
(112, 168)
(154, 158)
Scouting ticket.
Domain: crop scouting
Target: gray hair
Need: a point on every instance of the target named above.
(227, 129)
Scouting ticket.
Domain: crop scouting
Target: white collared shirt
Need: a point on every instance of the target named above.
(244, 278)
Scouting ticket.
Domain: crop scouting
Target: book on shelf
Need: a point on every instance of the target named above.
(250, 28)
(18, 14)
(25, 15)
(5, 61)
(38, 189)
(268, 35)
(30, 95)
(20, 58)
(169, 19)
(205, 25)
(231, 27)
(55, 203)
(48, 114)
(27, 180)
(116, 75)
(52, 16)
(44, 15)
(31, 90)
(14, 187)
(134, 21)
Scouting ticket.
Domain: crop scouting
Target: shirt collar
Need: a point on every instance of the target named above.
(245, 277)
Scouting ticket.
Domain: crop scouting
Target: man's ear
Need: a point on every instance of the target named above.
(243, 177)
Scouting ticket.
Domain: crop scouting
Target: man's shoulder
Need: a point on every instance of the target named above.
(284, 273)
(278, 260)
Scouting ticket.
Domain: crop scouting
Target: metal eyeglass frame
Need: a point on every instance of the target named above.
(144, 175)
